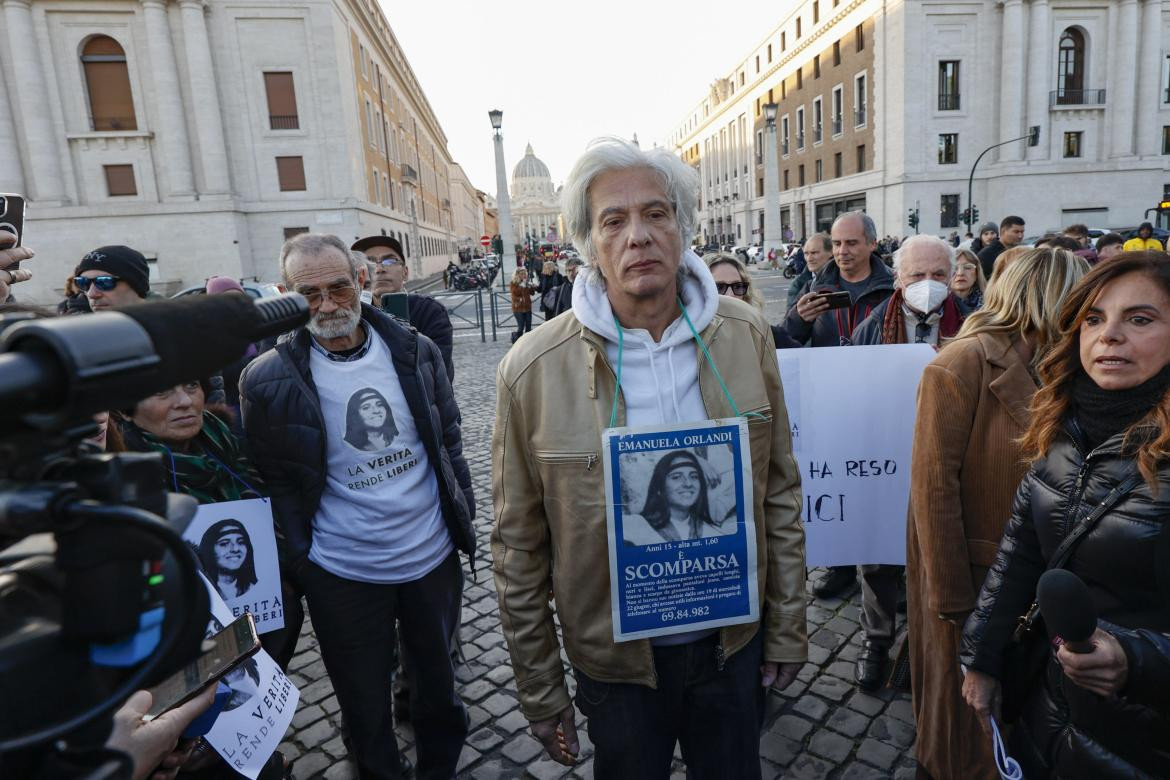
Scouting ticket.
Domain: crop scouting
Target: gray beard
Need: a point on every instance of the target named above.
(339, 324)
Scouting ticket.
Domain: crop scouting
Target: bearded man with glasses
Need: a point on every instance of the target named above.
(371, 536)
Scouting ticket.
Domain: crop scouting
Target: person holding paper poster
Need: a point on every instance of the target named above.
(972, 409)
(922, 310)
(1095, 502)
(648, 345)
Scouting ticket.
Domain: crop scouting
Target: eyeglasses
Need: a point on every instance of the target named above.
(965, 267)
(340, 294)
(103, 283)
(390, 261)
(739, 288)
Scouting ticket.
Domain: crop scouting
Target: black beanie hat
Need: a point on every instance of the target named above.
(121, 261)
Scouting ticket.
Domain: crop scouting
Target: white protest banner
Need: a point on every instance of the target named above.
(236, 547)
(257, 715)
(682, 545)
(852, 415)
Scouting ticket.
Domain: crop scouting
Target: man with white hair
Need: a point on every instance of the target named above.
(645, 319)
(352, 422)
(922, 310)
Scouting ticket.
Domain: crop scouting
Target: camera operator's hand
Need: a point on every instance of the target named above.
(151, 745)
(10, 255)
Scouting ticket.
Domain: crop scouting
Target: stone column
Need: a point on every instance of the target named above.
(11, 172)
(1011, 77)
(205, 99)
(1121, 102)
(1149, 97)
(171, 133)
(30, 106)
(1040, 82)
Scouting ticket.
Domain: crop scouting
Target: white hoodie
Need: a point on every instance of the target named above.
(660, 380)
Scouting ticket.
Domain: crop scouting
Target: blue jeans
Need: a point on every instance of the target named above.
(354, 622)
(715, 715)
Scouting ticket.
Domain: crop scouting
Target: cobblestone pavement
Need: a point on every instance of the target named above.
(820, 727)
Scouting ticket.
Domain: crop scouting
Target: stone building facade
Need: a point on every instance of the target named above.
(887, 107)
(204, 132)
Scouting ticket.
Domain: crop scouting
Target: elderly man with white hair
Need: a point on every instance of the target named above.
(648, 342)
(922, 310)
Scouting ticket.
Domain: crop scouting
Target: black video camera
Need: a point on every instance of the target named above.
(99, 595)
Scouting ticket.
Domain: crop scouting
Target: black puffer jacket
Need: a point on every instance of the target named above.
(286, 432)
(834, 327)
(1067, 731)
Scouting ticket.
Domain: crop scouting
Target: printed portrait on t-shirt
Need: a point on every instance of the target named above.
(369, 423)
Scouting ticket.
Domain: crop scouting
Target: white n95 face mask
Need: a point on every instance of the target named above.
(925, 296)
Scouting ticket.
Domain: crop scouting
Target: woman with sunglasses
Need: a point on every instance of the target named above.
(733, 280)
(968, 283)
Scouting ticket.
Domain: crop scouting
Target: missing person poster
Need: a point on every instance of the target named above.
(258, 713)
(235, 544)
(682, 545)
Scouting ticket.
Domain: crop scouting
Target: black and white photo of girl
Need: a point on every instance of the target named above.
(677, 505)
(228, 560)
(369, 424)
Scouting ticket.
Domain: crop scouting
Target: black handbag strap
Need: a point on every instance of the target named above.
(1065, 550)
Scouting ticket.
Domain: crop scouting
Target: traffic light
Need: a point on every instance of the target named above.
(965, 216)
(914, 219)
(497, 245)
(974, 215)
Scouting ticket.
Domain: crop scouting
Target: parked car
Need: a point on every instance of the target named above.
(255, 289)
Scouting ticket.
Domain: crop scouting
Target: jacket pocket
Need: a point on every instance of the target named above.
(588, 460)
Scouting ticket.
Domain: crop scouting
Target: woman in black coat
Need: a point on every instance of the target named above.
(1100, 422)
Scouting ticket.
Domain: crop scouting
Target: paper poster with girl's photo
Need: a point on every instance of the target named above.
(682, 547)
(261, 706)
(236, 547)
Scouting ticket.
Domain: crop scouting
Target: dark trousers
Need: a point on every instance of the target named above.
(523, 324)
(879, 601)
(715, 715)
(354, 622)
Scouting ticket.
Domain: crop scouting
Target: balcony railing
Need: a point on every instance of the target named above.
(948, 102)
(800, 140)
(1076, 97)
(409, 175)
(818, 134)
(859, 117)
(105, 124)
(276, 122)
(837, 126)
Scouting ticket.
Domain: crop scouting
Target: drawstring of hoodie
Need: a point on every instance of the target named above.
(613, 413)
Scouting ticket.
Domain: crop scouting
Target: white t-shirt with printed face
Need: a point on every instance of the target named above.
(379, 519)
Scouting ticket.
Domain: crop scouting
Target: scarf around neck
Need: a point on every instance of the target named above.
(894, 322)
(1102, 414)
(213, 469)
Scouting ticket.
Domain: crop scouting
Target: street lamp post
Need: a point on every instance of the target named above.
(508, 255)
(1033, 138)
(772, 231)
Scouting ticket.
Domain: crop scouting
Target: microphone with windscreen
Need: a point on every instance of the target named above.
(1068, 609)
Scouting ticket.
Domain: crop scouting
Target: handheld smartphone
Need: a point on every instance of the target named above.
(397, 304)
(236, 643)
(837, 300)
(12, 218)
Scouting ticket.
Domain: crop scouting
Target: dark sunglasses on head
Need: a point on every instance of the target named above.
(739, 288)
(103, 283)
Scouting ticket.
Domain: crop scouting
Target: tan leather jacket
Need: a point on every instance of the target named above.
(554, 394)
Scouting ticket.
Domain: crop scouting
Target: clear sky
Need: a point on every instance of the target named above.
(566, 72)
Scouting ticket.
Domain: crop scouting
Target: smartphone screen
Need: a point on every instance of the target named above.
(235, 643)
(397, 304)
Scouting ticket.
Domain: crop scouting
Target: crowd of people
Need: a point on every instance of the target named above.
(1041, 441)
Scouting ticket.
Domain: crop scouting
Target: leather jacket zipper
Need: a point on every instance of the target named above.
(588, 459)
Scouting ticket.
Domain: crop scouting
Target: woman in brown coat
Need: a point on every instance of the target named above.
(972, 406)
(522, 293)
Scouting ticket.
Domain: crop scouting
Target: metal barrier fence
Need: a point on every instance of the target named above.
(501, 310)
(465, 309)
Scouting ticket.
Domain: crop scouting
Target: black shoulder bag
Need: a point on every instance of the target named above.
(1026, 655)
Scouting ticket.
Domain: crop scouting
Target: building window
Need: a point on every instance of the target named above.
(783, 42)
(800, 78)
(836, 52)
(838, 107)
(294, 231)
(948, 85)
(1166, 141)
(948, 148)
(949, 211)
(860, 158)
(785, 178)
(817, 66)
(769, 54)
(282, 101)
(1072, 144)
(816, 11)
(362, 57)
(859, 37)
(741, 78)
(1070, 68)
(818, 117)
(798, 28)
(837, 165)
(1166, 79)
(800, 128)
(800, 175)
(759, 187)
(784, 134)
(371, 133)
(819, 171)
(783, 90)
(107, 80)
(120, 180)
(290, 172)
(859, 101)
